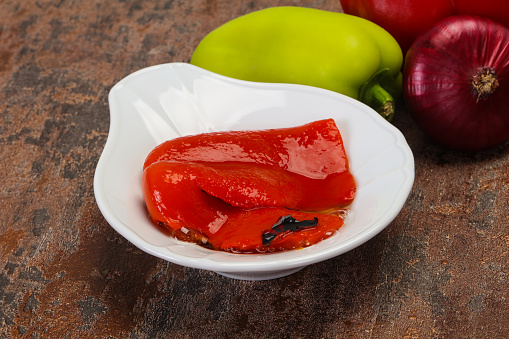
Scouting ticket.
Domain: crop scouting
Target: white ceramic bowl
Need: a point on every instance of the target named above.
(171, 100)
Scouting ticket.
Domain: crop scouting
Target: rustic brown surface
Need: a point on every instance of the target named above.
(440, 270)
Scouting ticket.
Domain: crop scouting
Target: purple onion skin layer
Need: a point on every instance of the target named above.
(437, 85)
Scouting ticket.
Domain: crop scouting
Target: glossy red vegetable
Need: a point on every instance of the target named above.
(497, 10)
(405, 20)
(456, 83)
(231, 190)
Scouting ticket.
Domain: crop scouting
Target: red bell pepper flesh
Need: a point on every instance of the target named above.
(250, 185)
(177, 195)
(233, 201)
(250, 239)
(314, 150)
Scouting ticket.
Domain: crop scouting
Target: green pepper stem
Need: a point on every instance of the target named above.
(375, 96)
(382, 102)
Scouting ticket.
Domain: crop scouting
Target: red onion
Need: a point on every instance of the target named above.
(456, 83)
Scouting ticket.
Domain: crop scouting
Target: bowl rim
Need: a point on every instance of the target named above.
(261, 265)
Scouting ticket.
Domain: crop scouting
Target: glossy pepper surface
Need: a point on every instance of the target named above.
(228, 189)
(307, 46)
(407, 19)
(497, 10)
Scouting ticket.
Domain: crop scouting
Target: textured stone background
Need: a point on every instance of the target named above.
(439, 270)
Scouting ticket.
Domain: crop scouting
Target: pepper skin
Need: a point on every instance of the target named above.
(314, 150)
(335, 51)
(497, 10)
(231, 187)
(407, 19)
(231, 205)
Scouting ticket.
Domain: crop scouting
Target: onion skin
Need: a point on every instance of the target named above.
(438, 83)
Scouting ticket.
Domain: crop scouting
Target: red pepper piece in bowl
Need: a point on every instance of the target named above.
(231, 188)
(315, 149)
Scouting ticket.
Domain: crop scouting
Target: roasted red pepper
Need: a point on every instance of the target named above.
(253, 190)
(405, 20)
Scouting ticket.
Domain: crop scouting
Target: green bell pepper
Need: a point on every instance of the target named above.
(335, 51)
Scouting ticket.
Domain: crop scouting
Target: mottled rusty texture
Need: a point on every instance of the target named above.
(439, 270)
